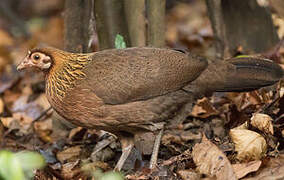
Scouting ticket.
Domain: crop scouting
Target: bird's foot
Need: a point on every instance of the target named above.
(127, 145)
(154, 157)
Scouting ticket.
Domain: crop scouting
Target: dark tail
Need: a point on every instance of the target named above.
(251, 74)
(236, 75)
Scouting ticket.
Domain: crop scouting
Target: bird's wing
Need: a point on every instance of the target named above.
(125, 75)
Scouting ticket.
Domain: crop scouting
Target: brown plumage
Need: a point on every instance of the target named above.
(135, 90)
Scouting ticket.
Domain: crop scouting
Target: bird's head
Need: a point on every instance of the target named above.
(36, 59)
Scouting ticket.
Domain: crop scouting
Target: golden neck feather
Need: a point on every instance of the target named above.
(66, 69)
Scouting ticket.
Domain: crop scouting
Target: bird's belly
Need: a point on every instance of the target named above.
(139, 115)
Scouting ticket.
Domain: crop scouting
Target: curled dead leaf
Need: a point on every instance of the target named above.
(203, 109)
(71, 169)
(281, 92)
(249, 144)
(42, 101)
(1, 106)
(19, 121)
(44, 129)
(262, 122)
(242, 126)
(69, 154)
(188, 174)
(242, 169)
(6, 121)
(273, 169)
(212, 161)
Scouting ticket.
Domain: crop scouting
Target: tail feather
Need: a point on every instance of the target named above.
(251, 73)
(236, 75)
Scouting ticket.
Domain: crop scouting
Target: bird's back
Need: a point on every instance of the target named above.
(127, 75)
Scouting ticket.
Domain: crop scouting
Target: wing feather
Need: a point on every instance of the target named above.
(124, 75)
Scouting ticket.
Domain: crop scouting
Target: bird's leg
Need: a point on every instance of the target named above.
(127, 144)
(154, 157)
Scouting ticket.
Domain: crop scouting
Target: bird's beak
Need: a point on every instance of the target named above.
(24, 64)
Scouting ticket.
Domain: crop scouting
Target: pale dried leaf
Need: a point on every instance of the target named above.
(71, 169)
(212, 161)
(42, 101)
(6, 39)
(31, 109)
(2, 105)
(188, 174)
(281, 92)
(278, 7)
(263, 3)
(242, 169)
(19, 121)
(274, 169)
(239, 99)
(203, 109)
(6, 121)
(169, 138)
(44, 129)
(190, 136)
(242, 126)
(262, 122)
(279, 22)
(249, 144)
(69, 154)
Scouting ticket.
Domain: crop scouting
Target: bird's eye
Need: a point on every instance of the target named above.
(36, 57)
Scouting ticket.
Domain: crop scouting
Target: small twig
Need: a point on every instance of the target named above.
(185, 155)
(102, 144)
(156, 147)
(265, 107)
(42, 114)
(280, 117)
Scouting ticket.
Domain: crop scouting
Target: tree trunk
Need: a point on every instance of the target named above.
(246, 25)
(110, 21)
(78, 25)
(216, 17)
(156, 23)
(135, 16)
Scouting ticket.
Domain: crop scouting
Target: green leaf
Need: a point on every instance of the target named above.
(112, 176)
(119, 42)
(243, 56)
(10, 167)
(30, 160)
(19, 166)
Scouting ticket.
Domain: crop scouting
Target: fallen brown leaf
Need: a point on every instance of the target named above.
(212, 161)
(203, 109)
(44, 129)
(69, 154)
(2, 105)
(242, 169)
(273, 169)
(262, 122)
(19, 121)
(249, 144)
(188, 174)
(71, 170)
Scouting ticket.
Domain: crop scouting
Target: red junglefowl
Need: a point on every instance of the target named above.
(136, 90)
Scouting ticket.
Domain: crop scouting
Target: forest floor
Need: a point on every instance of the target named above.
(226, 134)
